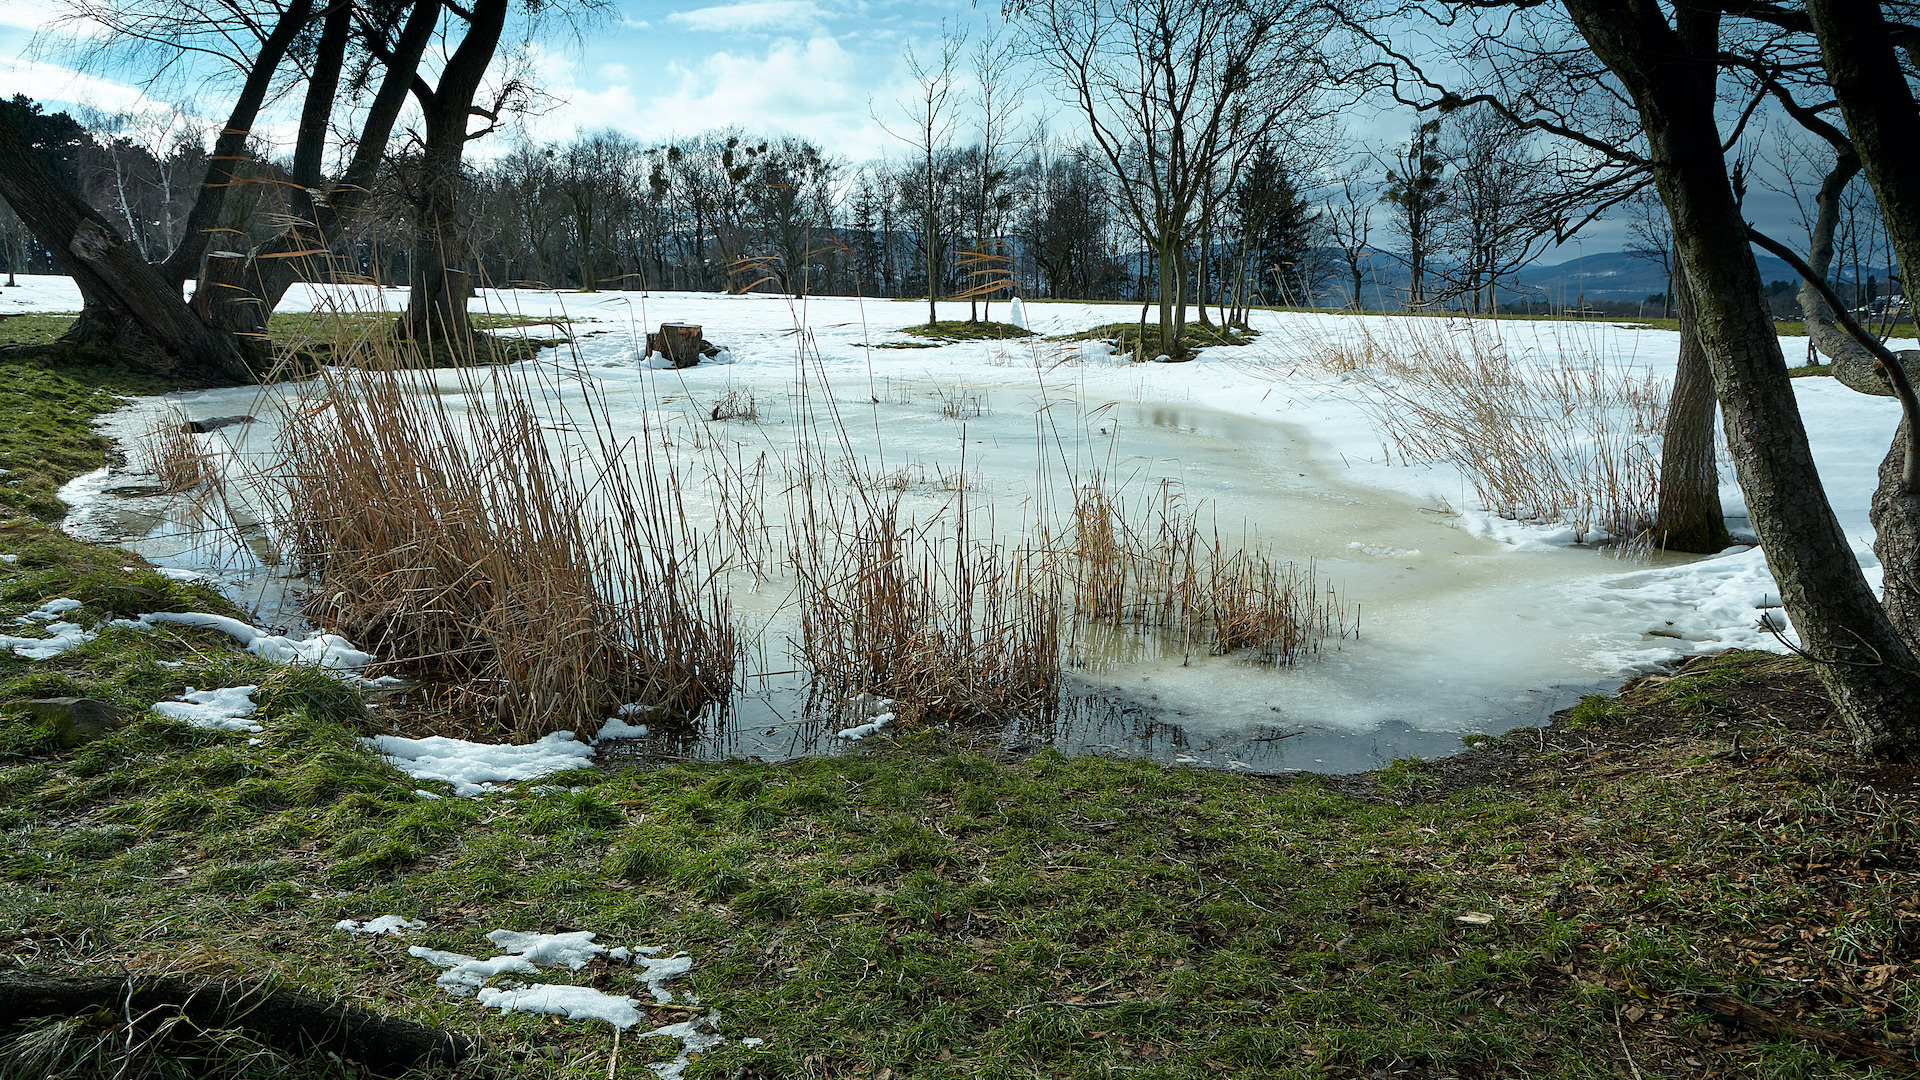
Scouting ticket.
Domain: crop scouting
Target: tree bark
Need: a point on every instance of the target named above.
(1859, 655)
(438, 283)
(127, 304)
(1883, 122)
(1689, 517)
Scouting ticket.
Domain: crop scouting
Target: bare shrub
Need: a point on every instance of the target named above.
(447, 530)
(956, 627)
(735, 404)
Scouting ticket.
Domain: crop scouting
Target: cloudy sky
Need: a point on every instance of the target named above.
(834, 71)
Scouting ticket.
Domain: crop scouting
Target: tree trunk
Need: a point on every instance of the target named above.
(438, 283)
(386, 1046)
(1860, 657)
(1689, 517)
(127, 305)
(1883, 121)
(1169, 266)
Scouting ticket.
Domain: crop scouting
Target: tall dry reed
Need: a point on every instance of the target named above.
(472, 528)
(1161, 571)
(1565, 438)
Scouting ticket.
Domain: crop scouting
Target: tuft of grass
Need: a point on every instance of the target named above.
(1142, 342)
(947, 331)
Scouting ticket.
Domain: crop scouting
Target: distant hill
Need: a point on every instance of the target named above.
(1609, 275)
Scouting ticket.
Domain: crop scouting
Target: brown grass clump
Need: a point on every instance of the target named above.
(1566, 441)
(467, 528)
(1163, 573)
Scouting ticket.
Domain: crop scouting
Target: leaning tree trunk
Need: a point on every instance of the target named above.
(1689, 517)
(128, 305)
(1859, 655)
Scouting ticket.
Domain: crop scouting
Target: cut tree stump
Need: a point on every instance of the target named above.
(680, 343)
(385, 1046)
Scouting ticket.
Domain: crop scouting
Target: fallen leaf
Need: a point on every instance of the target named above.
(1474, 918)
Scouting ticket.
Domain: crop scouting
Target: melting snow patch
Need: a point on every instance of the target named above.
(470, 766)
(62, 636)
(617, 727)
(572, 1002)
(223, 710)
(877, 710)
(696, 1036)
(523, 953)
(390, 925)
(327, 650)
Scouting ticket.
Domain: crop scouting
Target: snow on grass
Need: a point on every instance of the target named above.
(530, 954)
(470, 767)
(225, 709)
(385, 925)
(61, 636)
(327, 650)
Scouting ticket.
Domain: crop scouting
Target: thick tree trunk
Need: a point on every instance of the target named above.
(306, 245)
(1865, 664)
(1689, 517)
(1883, 121)
(438, 282)
(386, 1046)
(1169, 269)
(128, 305)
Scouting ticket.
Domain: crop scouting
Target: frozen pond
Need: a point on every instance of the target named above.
(1465, 623)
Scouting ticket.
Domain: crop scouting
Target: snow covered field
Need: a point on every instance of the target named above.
(1469, 622)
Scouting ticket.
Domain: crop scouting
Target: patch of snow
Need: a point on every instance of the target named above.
(51, 610)
(1017, 313)
(471, 766)
(61, 637)
(696, 1036)
(225, 709)
(656, 972)
(616, 728)
(327, 650)
(861, 731)
(389, 925)
(528, 953)
(572, 1002)
(9, 558)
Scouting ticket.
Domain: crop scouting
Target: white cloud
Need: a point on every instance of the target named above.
(759, 16)
(54, 83)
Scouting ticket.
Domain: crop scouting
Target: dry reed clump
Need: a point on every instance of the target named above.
(953, 627)
(1163, 573)
(447, 531)
(1564, 441)
(168, 452)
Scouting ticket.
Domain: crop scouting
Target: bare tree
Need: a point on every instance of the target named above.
(1173, 92)
(1349, 224)
(930, 117)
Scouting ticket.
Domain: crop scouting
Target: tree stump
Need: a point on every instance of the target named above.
(680, 343)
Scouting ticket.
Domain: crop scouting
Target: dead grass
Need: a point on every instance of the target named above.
(549, 584)
(168, 452)
(1158, 570)
(1569, 440)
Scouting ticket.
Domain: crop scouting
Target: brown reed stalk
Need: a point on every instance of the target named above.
(470, 527)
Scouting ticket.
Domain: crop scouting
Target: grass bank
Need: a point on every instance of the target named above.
(1688, 879)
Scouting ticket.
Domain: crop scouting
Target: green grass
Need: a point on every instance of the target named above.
(940, 910)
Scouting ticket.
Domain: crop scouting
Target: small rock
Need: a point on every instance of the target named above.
(75, 720)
